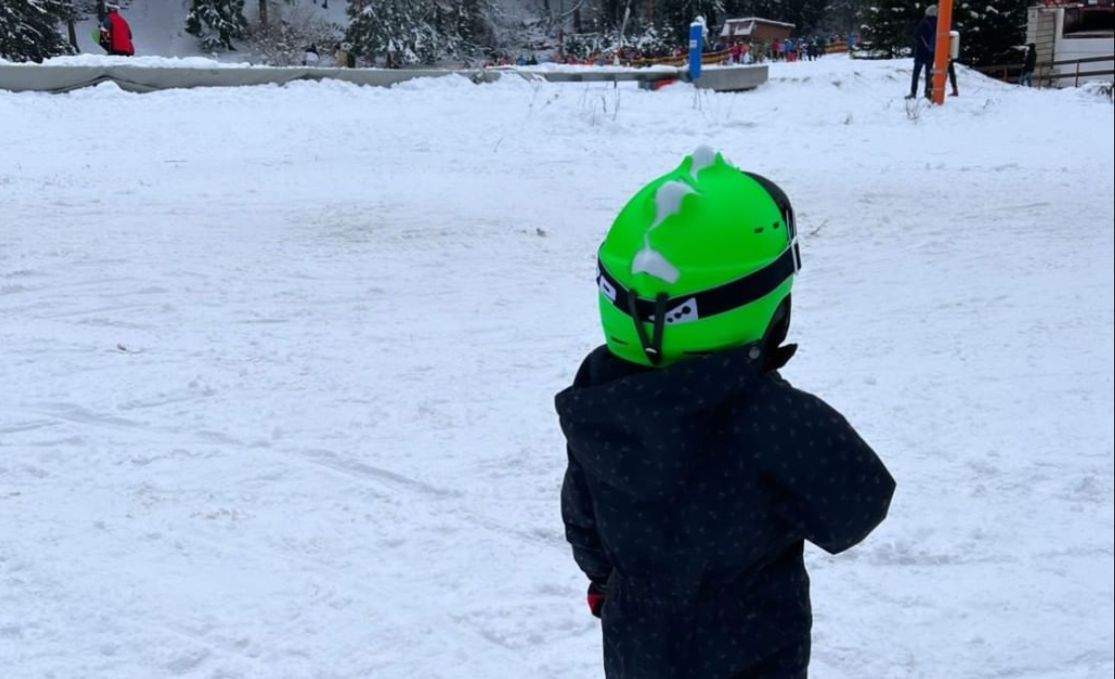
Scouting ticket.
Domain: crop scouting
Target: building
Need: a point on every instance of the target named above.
(754, 29)
(1065, 33)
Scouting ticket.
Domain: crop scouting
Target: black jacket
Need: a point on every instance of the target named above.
(688, 493)
(925, 39)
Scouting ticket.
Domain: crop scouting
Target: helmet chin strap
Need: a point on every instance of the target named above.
(652, 346)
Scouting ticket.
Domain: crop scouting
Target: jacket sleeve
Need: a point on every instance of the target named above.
(836, 490)
(580, 524)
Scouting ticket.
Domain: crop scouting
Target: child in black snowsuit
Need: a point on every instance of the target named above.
(688, 494)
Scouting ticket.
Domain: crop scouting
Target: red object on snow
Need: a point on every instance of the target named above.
(119, 35)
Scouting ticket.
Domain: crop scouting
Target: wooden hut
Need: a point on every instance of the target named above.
(754, 29)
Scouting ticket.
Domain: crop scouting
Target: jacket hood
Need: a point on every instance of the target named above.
(641, 429)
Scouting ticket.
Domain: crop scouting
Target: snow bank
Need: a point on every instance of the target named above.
(279, 364)
(145, 61)
(551, 67)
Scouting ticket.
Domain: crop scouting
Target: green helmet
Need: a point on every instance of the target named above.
(703, 257)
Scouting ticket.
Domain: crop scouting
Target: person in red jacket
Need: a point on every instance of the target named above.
(116, 34)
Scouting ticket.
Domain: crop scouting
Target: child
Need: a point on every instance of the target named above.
(695, 471)
(115, 33)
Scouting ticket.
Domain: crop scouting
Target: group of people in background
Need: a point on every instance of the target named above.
(788, 49)
(800, 49)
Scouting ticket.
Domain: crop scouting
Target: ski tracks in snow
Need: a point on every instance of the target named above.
(283, 407)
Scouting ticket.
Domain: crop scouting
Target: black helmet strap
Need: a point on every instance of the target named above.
(710, 302)
(652, 346)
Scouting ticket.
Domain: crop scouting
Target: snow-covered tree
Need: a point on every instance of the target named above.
(470, 20)
(989, 29)
(217, 23)
(888, 25)
(806, 15)
(29, 29)
(404, 28)
(842, 16)
(678, 14)
(416, 31)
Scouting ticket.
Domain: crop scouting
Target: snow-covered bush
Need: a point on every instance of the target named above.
(284, 41)
(648, 41)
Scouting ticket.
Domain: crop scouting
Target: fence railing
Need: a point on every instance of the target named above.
(1010, 72)
(1077, 73)
(678, 60)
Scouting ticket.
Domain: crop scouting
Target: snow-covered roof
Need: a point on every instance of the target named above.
(732, 26)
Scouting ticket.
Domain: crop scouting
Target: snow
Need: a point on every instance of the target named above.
(278, 369)
(554, 67)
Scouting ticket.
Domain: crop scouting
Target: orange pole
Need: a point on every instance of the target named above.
(941, 51)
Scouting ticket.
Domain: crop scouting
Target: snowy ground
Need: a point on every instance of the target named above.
(278, 365)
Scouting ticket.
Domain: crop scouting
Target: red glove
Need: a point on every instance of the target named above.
(595, 597)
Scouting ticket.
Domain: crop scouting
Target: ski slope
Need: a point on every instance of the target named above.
(278, 367)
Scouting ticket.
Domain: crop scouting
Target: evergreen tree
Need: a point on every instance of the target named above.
(989, 29)
(29, 29)
(888, 25)
(404, 28)
(806, 15)
(418, 31)
(216, 23)
(842, 16)
(678, 14)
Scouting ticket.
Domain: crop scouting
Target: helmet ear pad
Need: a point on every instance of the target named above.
(779, 327)
(776, 355)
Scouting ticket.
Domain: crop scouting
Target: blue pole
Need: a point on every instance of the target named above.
(696, 39)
